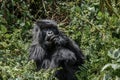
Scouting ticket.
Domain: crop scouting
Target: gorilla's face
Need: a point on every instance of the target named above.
(49, 31)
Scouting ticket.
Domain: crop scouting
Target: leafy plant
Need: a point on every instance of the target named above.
(97, 33)
(112, 70)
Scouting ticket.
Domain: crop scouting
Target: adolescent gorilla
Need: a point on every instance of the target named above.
(52, 49)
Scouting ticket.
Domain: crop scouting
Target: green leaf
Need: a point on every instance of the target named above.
(114, 66)
(3, 29)
(7, 36)
(22, 24)
(4, 44)
(107, 77)
(100, 14)
(114, 54)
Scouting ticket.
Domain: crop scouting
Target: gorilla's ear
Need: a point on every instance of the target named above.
(39, 23)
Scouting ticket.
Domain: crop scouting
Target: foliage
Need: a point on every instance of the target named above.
(97, 33)
(111, 70)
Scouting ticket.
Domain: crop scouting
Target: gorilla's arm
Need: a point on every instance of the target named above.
(68, 43)
(36, 52)
(60, 40)
(63, 57)
(75, 48)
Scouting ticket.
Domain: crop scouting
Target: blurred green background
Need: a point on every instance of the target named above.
(93, 24)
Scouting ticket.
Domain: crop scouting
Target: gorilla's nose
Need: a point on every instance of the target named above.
(49, 33)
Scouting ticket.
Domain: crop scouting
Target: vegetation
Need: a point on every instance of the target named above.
(93, 24)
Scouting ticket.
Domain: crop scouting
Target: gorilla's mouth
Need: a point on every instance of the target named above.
(50, 38)
(48, 41)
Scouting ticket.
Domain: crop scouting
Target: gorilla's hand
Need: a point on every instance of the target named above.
(55, 39)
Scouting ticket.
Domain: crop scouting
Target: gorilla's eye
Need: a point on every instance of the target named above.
(55, 30)
(52, 29)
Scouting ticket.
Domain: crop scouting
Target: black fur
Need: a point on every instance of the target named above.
(52, 49)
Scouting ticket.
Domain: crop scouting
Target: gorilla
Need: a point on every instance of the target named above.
(51, 49)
